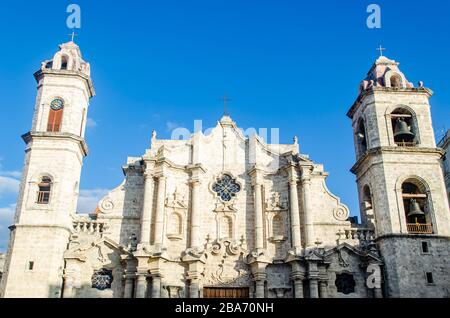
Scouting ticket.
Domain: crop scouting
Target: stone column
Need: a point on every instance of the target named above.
(147, 210)
(313, 287)
(195, 214)
(259, 230)
(156, 286)
(159, 217)
(194, 288)
(129, 284)
(68, 285)
(259, 291)
(298, 285)
(141, 285)
(294, 212)
(309, 218)
(323, 289)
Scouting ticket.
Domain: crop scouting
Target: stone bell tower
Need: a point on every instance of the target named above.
(400, 181)
(55, 149)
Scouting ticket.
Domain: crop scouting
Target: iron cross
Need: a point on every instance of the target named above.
(381, 49)
(225, 100)
(73, 35)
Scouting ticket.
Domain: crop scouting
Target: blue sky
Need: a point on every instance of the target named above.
(161, 64)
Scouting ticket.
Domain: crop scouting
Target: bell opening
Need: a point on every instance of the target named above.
(415, 202)
(402, 123)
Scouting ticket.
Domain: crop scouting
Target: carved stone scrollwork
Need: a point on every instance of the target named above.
(174, 291)
(340, 213)
(226, 265)
(106, 205)
(280, 291)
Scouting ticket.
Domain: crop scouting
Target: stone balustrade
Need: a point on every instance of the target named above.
(88, 226)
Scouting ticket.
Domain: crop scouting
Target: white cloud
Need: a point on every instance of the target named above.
(6, 219)
(171, 126)
(89, 198)
(9, 185)
(91, 123)
(7, 213)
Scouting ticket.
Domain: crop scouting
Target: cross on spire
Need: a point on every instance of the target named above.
(225, 99)
(381, 49)
(73, 35)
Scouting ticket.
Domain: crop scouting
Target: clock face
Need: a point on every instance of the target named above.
(57, 104)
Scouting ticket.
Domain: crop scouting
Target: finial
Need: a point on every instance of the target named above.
(154, 135)
(420, 84)
(295, 140)
(225, 100)
(73, 35)
(381, 49)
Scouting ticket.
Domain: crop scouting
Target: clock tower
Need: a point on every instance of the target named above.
(54, 153)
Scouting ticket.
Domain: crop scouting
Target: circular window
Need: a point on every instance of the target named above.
(57, 104)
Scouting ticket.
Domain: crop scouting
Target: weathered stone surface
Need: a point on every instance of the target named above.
(225, 211)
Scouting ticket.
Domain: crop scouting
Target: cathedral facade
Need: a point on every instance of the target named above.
(229, 216)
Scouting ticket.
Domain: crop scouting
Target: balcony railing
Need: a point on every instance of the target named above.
(416, 228)
(405, 144)
(88, 226)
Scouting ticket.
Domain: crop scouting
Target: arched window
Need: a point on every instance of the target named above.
(64, 62)
(367, 198)
(416, 205)
(55, 115)
(396, 81)
(44, 190)
(404, 128)
(361, 138)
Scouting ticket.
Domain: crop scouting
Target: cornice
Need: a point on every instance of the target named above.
(41, 73)
(395, 150)
(394, 90)
(29, 136)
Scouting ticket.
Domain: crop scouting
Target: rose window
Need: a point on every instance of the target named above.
(226, 188)
(102, 279)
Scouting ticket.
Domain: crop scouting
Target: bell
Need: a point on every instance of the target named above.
(414, 210)
(402, 132)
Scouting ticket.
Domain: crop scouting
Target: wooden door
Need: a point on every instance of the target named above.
(216, 292)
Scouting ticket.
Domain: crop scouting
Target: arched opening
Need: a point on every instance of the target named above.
(396, 81)
(44, 190)
(404, 128)
(175, 224)
(367, 214)
(361, 138)
(367, 197)
(416, 206)
(64, 62)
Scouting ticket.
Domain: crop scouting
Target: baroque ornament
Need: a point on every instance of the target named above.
(340, 214)
(226, 266)
(106, 205)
